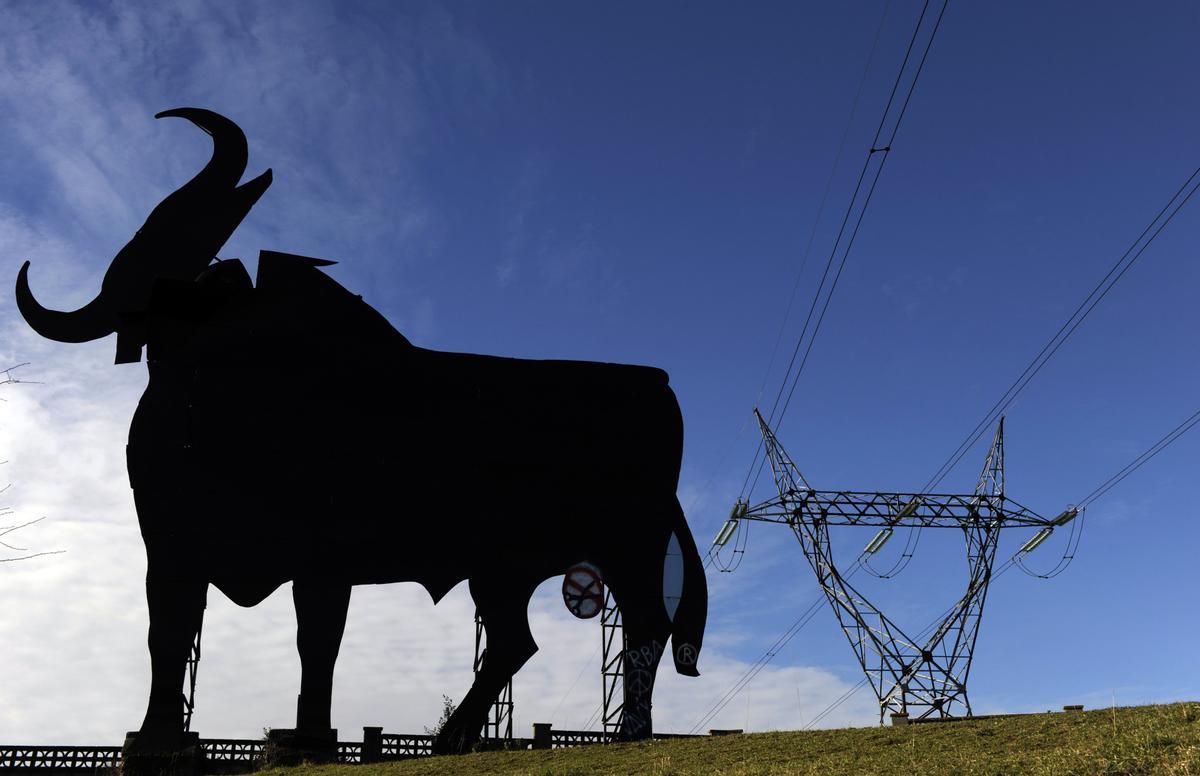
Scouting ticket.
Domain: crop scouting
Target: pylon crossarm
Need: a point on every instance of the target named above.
(893, 510)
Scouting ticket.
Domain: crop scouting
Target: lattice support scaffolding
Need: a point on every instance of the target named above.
(919, 678)
(193, 666)
(612, 666)
(499, 725)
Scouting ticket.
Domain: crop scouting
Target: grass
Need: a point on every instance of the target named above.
(1135, 740)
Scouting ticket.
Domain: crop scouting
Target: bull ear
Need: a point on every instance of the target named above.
(245, 196)
(92, 321)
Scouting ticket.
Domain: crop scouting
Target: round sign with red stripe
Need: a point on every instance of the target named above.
(583, 591)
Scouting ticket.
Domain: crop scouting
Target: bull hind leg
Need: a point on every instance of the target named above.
(510, 644)
(637, 588)
(643, 650)
(320, 622)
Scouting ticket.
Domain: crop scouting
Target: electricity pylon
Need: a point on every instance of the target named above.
(909, 676)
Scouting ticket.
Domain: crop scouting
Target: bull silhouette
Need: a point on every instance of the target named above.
(289, 433)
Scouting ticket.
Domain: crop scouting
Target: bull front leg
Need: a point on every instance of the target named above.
(321, 608)
(509, 645)
(176, 610)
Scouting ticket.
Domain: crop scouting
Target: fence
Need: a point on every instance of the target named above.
(240, 755)
(43, 759)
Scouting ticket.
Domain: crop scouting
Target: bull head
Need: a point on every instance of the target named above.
(179, 239)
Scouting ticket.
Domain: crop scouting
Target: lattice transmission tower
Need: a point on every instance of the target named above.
(909, 676)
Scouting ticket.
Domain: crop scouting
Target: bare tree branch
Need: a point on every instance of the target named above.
(35, 555)
(7, 378)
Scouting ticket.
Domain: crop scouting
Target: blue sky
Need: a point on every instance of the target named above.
(638, 182)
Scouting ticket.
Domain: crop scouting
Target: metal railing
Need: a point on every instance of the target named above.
(232, 750)
(401, 747)
(45, 758)
(242, 755)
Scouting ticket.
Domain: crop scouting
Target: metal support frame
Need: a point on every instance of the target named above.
(499, 725)
(612, 666)
(918, 678)
(193, 666)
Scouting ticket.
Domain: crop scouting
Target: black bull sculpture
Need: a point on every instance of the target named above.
(289, 432)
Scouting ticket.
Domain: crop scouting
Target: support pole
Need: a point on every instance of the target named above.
(612, 666)
(193, 666)
(499, 725)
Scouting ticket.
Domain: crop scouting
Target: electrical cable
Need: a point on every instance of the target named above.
(1076, 534)
(884, 150)
(755, 668)
(741, 539)
(837, 160)
(1131, 255)
(906, 556)
(1068, 553)
(1081, 312)
(812, 234)
(1141, 460)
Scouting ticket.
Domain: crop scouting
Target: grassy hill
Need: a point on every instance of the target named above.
(1135, 740)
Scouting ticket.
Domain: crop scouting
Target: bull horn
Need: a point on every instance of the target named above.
(92, 321)
(230, 152)
(178, 240)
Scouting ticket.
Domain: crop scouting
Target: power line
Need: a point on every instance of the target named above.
(884, 149)
(753, 671)
(1142, 459)
(748, 676)
(847, 232)
(1048, 351)
(812, 234)
(1076, 534)
(1081, 312)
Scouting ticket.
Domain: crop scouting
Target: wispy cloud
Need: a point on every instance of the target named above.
(523, 202)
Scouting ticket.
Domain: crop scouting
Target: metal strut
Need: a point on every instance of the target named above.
(612, 665)
(499, 724)
(193, 666)
(917, 678)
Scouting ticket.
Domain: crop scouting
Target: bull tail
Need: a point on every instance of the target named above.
(685, 590)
